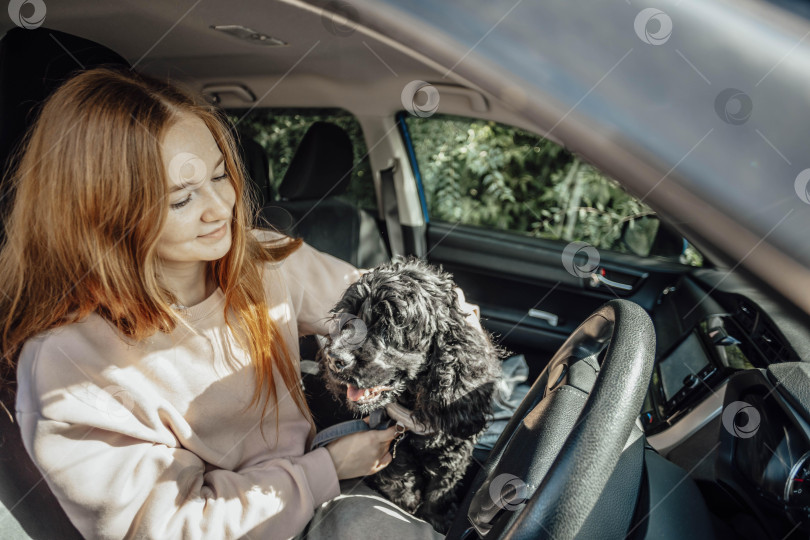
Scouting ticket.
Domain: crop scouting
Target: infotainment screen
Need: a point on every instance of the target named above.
(687, 358)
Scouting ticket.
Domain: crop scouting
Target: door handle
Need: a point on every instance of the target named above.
(550, 318)
(599, 278)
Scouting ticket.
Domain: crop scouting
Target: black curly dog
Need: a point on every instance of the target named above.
(401, 336)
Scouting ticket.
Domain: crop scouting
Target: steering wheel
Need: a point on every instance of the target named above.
(554, 458)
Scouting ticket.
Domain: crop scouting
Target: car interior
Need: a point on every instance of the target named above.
(720, 446)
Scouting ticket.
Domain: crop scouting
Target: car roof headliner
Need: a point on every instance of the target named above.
(362, 71)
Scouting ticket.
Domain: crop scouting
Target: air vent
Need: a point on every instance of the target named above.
(764, 335)
(772, 345)
(746, 316)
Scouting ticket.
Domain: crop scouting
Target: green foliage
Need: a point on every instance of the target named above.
(280, 131)
(486, 174)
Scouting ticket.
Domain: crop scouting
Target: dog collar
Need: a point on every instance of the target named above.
(405, 417)
(377, 420)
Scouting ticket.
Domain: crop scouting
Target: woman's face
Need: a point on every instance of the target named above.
(201, 196)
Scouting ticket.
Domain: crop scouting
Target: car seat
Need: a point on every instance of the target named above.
(32, 64)
(257, 167)
(311, 208)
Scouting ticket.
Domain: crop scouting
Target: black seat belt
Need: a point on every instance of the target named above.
(391, 211)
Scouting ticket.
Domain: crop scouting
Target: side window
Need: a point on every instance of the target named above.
(280, 131)
(486, 174)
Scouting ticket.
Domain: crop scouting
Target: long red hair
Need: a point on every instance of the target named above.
(90, 203)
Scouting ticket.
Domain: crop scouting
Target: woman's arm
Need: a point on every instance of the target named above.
(316, 281)
(114, 486)
(119, 469)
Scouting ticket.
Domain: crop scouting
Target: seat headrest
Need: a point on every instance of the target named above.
(257, 166)
(322, 164)
(32, 65)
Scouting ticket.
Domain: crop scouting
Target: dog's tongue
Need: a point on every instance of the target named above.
(353, 393)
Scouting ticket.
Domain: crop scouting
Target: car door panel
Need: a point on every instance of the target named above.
(521, 284)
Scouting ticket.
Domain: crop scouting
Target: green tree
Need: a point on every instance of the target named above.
(487, 174)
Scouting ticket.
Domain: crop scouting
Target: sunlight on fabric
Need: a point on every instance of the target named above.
(391, 513)
(281, 313)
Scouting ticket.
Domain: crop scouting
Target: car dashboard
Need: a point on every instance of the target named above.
(729, 402)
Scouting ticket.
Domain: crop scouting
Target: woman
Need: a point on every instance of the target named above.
(140, 311)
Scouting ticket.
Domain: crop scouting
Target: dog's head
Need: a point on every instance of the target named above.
(400, 330)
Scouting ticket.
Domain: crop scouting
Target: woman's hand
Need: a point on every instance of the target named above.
(363, 453)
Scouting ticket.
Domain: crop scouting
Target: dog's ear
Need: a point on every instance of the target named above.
(455, 394)
(459, 414)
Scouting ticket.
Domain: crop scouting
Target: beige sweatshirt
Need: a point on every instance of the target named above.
(151, 439)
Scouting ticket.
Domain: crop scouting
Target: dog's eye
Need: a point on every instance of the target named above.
(351, 330)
